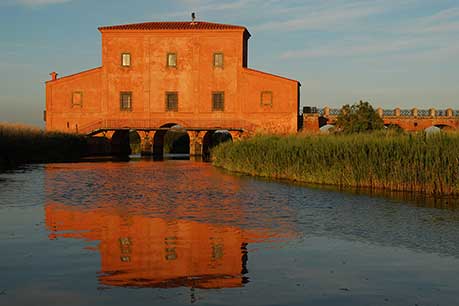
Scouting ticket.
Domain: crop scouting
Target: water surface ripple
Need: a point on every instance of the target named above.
(96, 233)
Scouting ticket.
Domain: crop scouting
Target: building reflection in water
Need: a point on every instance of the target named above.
(143, 244)
(140, 251)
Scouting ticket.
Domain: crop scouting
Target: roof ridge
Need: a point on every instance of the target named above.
(174, 25)
(87, 71)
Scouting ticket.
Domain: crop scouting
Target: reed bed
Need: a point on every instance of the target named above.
(401, 162)
(24, 144)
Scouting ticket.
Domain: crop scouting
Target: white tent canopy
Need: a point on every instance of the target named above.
(327, 128)
(432, 130)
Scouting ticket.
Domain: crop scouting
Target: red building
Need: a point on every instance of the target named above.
(158, 74)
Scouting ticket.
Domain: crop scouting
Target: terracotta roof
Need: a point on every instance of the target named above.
(76, 74)
(270, 74)
(181, 25)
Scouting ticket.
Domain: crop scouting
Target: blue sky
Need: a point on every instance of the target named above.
(390, 52)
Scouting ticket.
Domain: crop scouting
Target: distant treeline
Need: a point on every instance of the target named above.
(405, 162)
(22, 144)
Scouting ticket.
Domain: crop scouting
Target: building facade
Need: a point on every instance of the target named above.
(157, 74)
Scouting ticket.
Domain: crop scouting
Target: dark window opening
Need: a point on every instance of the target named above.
(218, 101)
(266, 98)
(126, 101)
(171, 101)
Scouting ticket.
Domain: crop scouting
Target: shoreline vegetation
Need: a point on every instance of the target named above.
(21, 144)
(414, 162)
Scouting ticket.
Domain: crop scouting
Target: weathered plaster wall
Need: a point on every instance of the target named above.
(61, 114)
(279, 117)
(194, 79)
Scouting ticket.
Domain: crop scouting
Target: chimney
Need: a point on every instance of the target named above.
(193, 18)
(53, 76)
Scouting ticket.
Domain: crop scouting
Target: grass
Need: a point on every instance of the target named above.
(401, 162)
(24, 144)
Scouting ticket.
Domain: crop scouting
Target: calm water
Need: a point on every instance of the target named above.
(182, 232)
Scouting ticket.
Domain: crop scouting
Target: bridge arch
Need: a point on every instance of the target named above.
(323, 121)
(172, 139)
(125, 142)
(134, 142)
(175, 122)
(214, 138)
(120, 143)
(444, 127)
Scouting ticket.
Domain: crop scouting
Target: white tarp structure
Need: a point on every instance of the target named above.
(327, 128)
(432, 130)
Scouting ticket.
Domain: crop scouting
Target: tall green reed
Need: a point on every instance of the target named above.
(23, 144)
(408, 162)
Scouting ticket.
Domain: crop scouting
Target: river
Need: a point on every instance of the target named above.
(184, 232)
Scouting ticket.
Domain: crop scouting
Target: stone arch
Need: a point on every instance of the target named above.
(322, 121)
(169, 124)
(134, 142)
(177, 141)
(120, 143)
(181, 143)
(445, 127)
(214, 138)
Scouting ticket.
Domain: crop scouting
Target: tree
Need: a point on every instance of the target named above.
(360, 117)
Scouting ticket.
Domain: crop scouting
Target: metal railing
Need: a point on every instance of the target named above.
(388, 112)
(406, 112)
(155, 124)
(335, 112)
(418, 113)
(423, 113)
